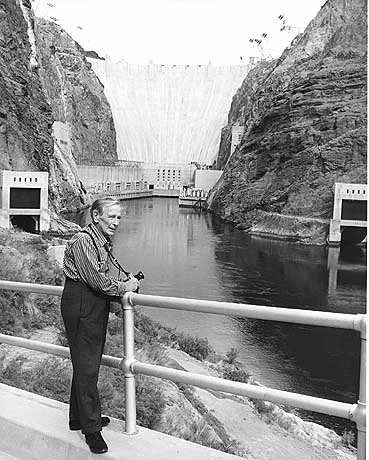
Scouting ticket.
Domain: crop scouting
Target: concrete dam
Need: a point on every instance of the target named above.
(169, 114)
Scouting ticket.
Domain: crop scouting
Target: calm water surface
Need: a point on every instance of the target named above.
(187, 254)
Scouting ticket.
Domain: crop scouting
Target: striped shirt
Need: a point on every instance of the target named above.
(86, 259)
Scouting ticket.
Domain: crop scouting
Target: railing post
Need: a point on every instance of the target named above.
(361, 404)
(129, 357)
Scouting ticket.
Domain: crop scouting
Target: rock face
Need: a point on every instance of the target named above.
(75, 95)
(45, 78)
(25, 115)
(305, 129)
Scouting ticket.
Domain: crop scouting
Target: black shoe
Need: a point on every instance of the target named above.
(75, 424)
(96, 443)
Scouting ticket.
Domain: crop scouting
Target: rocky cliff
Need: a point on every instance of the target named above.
(75, 94)
(45, 78)
(25, 115)
(305, 129)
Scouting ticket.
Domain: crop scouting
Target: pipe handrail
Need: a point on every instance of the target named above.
(290, 315)
(31, 287)
(300, 316)
(130, 366)
(325, 406)
(57, 350)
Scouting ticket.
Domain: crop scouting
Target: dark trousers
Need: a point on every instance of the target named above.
(85, 314)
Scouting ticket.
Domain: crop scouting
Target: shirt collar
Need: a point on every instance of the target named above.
(96, 232)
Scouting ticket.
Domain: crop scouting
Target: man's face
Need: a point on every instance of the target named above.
(109, 219)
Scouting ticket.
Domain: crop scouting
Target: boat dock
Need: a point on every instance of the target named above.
(192, 198)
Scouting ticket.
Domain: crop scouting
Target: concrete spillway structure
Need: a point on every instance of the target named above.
(169, 113)
(24, 200)
(349, 223)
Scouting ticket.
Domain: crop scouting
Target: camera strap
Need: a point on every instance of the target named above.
(113, 259)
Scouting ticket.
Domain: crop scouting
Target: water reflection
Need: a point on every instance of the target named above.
(274, 273)
(347, 271)
(187, 254)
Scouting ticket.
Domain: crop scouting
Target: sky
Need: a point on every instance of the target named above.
(181, 31)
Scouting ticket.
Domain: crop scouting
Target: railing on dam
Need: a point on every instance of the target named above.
(130, 366)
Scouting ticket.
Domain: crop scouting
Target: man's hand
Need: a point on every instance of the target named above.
(132, 284)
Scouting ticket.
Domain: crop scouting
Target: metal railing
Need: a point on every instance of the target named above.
(130, 366)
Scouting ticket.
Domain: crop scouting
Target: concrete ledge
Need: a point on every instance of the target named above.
(34, 427)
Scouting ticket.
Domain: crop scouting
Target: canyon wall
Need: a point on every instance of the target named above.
(169, 113)
(304, 119)
(45, 80)
(75, 94)
(25, 115)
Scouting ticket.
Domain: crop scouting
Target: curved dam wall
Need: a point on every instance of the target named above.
(169, 113)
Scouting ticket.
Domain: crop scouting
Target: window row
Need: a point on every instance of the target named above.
(25, 179)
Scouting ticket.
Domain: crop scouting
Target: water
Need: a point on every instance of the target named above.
(187, 254)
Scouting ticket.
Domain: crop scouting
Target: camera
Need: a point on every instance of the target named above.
(139, 276)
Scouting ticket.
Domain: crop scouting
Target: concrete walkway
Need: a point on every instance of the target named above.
(33, 427)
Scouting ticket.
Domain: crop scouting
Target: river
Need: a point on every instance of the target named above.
(184, 253)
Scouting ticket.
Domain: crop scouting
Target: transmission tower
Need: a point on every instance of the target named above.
(261, 45)
(285, 27)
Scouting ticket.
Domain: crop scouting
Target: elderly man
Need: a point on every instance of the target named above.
(85, 308)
